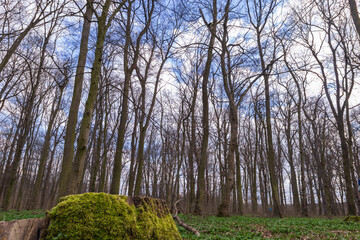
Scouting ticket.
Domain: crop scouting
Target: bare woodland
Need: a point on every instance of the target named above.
(222, 106)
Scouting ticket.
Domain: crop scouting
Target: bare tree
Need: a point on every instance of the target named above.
(260, 13)
(343, 74)
(43, 10)
(75, 102)
(129, 68)
(104, 22)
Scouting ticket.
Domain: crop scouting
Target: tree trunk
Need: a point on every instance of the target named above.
(254, 203)
(25, 129)
(270, 151)
(97, 152)
(293, 180)
(104, 163)
(132, 156)
(79, 161)
(355, 15)
(68, 154)
(128, 70)
(45, 150)
(199, 204)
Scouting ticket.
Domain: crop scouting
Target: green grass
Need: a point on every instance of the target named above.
(246, 227)
(269, 228)
(21, 214)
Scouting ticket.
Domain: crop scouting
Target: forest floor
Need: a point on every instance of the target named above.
(246, 227)
(23, 214)
(269, 228)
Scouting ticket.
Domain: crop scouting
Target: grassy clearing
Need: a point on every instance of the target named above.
(21, 214)
(246, 227)
(269, 228)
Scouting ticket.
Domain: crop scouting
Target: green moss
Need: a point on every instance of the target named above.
(105, 216)
(154, 220)
(352, 219)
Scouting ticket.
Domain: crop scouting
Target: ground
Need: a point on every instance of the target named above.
(270, 228)
(248, 227)
(21, 214)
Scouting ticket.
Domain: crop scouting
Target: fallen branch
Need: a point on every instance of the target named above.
(181, 223)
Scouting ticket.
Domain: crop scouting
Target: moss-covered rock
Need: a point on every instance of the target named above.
(352, 219)
(105, 216)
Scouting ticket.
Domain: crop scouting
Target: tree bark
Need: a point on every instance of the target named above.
(200, 196)
(68, 153)
(79, 161)
(355, 15)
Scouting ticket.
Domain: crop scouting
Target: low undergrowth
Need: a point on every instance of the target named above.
(21, 214)
(246, 227)
(269, 228)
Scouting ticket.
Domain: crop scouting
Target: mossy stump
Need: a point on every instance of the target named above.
(106, 216)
